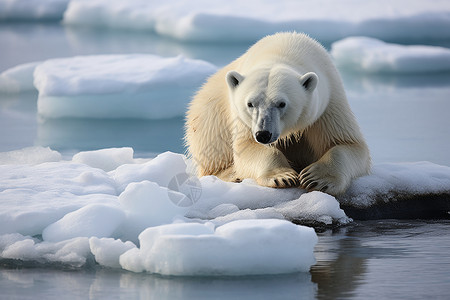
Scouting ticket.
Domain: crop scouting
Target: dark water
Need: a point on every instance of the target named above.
(386, 259)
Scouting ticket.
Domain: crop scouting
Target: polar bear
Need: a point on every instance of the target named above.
(278, 114)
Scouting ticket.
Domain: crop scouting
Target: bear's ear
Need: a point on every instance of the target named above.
(309, 81)
(234, 79)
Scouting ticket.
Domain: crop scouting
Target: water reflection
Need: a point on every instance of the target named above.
(145, 136)
(387, 259)
(372, 82)
(337, 270)
(111, 284)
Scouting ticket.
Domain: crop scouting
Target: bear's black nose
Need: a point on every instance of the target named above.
(263, 137)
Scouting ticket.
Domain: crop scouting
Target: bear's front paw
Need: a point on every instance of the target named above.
(283, 178)
(320, 177)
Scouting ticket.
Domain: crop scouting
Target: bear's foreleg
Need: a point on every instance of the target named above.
(333, 172)
(266, 164)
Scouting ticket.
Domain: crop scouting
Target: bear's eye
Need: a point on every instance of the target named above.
(249, 104)
(281, 104)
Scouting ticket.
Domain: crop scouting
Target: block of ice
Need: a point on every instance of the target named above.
(374, 56)
(162, 169)
(99, 220)
(108, 250)
(147, 204)
(118, 86)
(13, 10)
(234, 20)
(244, 247)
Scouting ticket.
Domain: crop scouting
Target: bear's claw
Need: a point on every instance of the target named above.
(317, 177)
(280, 180)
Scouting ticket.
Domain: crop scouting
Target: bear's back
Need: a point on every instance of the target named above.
(295, 49)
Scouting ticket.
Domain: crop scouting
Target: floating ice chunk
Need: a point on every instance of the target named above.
(105, 159)
(118, 86)
(245, 247)
(32, 10)
(108, 250)
(234, 20)
(374, 56)
(97, 220)
(30, 155)
(19, 78)
(148, 204)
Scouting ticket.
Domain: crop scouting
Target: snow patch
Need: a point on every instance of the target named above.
(105, 159)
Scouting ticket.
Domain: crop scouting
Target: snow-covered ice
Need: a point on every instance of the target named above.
(243, 247)
(110, 86)
(389, 181)
(234, 20)
(118, 86)
(151, 215)
(370, 55)
(42, 10)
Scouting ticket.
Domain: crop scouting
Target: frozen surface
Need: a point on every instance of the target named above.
(144, 213)
(370, 55)
(118, 86)
(110, 86)
(13, 10)
(250, 20)
(388, 181)
(236, 248)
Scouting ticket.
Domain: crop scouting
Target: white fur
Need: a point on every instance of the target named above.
(287, 86)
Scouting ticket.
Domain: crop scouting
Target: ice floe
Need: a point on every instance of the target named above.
(233, 20)
(141, 86)
(26, 10)
(152, 215)
(118, 86)
(243, 247)
(370, 55)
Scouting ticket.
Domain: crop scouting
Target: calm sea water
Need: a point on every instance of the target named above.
(404, 118)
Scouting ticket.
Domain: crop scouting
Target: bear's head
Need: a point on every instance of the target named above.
(273, 102)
